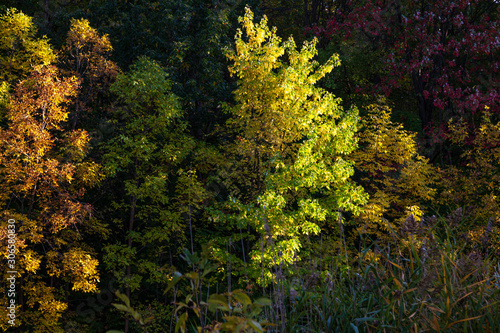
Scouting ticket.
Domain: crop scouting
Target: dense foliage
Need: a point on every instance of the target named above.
(172, 167)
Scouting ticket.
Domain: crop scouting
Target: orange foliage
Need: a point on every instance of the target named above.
(39, 162)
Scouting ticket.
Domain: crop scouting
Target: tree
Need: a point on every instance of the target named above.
(142, 159)
(398, 179)
(470, 189)
(44, 175)
(446, 52)
(85, 55)
(20, 49)
(187, 38)
(292, 139)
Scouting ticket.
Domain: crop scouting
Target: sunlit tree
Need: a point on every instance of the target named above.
(44, 175)
(291, 142)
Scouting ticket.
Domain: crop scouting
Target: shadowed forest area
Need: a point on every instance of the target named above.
(259, 166)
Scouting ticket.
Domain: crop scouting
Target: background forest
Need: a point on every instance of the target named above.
(270, 165)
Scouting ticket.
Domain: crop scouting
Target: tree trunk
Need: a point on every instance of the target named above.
(133, 201)
(425, 106)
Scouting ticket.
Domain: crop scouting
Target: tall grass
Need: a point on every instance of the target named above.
(430, 283)
(428, 280)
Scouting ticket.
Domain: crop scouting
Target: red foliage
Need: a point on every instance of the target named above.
(448, 49)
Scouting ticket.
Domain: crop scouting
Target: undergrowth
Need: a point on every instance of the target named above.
(428, 282)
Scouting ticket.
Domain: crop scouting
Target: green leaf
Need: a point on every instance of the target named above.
(121, 307)
(181, 323)
(262, 301)
(217, 299)
(242, 297)
(137, 316)
(123, 297)
(255, 325)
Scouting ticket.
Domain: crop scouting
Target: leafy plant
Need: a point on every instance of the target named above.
(240, 313)
(127, 309)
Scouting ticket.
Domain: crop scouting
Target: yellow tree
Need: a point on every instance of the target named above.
(85, 55)
(472, 188)
(292, 139)
(44, 176)
(398, 179)
(20, 49)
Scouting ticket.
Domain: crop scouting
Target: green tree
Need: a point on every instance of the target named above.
(187, 38)
(143, 160)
